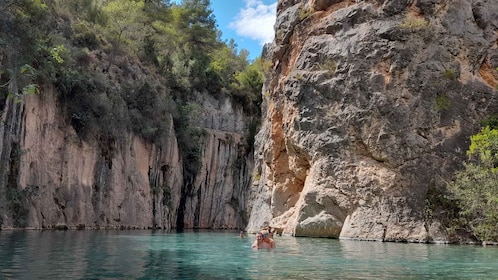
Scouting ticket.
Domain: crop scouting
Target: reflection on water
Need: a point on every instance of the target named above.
(224, 255)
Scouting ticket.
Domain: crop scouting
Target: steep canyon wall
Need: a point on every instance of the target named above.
(52, 178)
(368, 113)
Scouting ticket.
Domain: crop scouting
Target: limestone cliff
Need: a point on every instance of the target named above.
(52, 178)
(369, 109)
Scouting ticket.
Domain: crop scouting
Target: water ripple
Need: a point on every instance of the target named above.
(223, 255)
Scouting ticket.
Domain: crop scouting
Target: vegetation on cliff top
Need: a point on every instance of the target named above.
(124, 64)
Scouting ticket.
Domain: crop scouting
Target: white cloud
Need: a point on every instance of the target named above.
(256, 21)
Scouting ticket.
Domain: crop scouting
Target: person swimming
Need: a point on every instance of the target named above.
(263, 241)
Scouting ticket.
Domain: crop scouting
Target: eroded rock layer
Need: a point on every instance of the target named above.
(53, 178)
(369, 109)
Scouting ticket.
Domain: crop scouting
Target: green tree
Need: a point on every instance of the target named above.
(126, 25)
(199, 26)
(23, 47)
(248, 84)
(160, 41)
(476, 187)
(67, 43)
(190, 137)
(227, 62)
(484, 147)
(197, 38)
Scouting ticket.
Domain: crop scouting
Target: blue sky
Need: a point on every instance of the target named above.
(248, 22)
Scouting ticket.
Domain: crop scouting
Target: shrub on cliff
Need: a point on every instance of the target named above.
(123, 65)
(476, 188)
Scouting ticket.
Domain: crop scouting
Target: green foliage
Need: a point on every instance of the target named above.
(190, 137)
(56, 53)
(414, 23)
(79, 94)
(305, 12)
(251, 133)
(298, 76)
(199, 72)
(329, 65)
(147, 110)
(197, 38)
(15, 76)
(94, 13)
(29, 8)
(22, 46)
(30, 89)
(248, 84)
(126, 26)
(95, 53)
(250, 80)
(476, 191)
(16, 198)
(484, 146)
(198, 25)
(449, 74)
(442, 103)
(84, 36)
(226, 62)
(280, 35)
(475, 187)
(441, 206)
(491, 121)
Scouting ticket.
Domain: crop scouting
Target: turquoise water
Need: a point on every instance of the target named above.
(224, 255)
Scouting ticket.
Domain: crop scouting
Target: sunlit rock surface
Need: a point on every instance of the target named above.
(51, 178)
(368, 112)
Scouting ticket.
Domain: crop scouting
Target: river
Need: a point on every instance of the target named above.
(137, 254)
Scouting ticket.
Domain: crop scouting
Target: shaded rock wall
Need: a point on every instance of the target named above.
(51, 178)
(369, 109)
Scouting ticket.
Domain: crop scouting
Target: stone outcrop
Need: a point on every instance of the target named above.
(368, 112)
(51, 178)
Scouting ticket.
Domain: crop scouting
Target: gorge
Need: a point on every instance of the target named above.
(367, 112)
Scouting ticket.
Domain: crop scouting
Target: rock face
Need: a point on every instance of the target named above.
(51, 178)
(369, 109)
